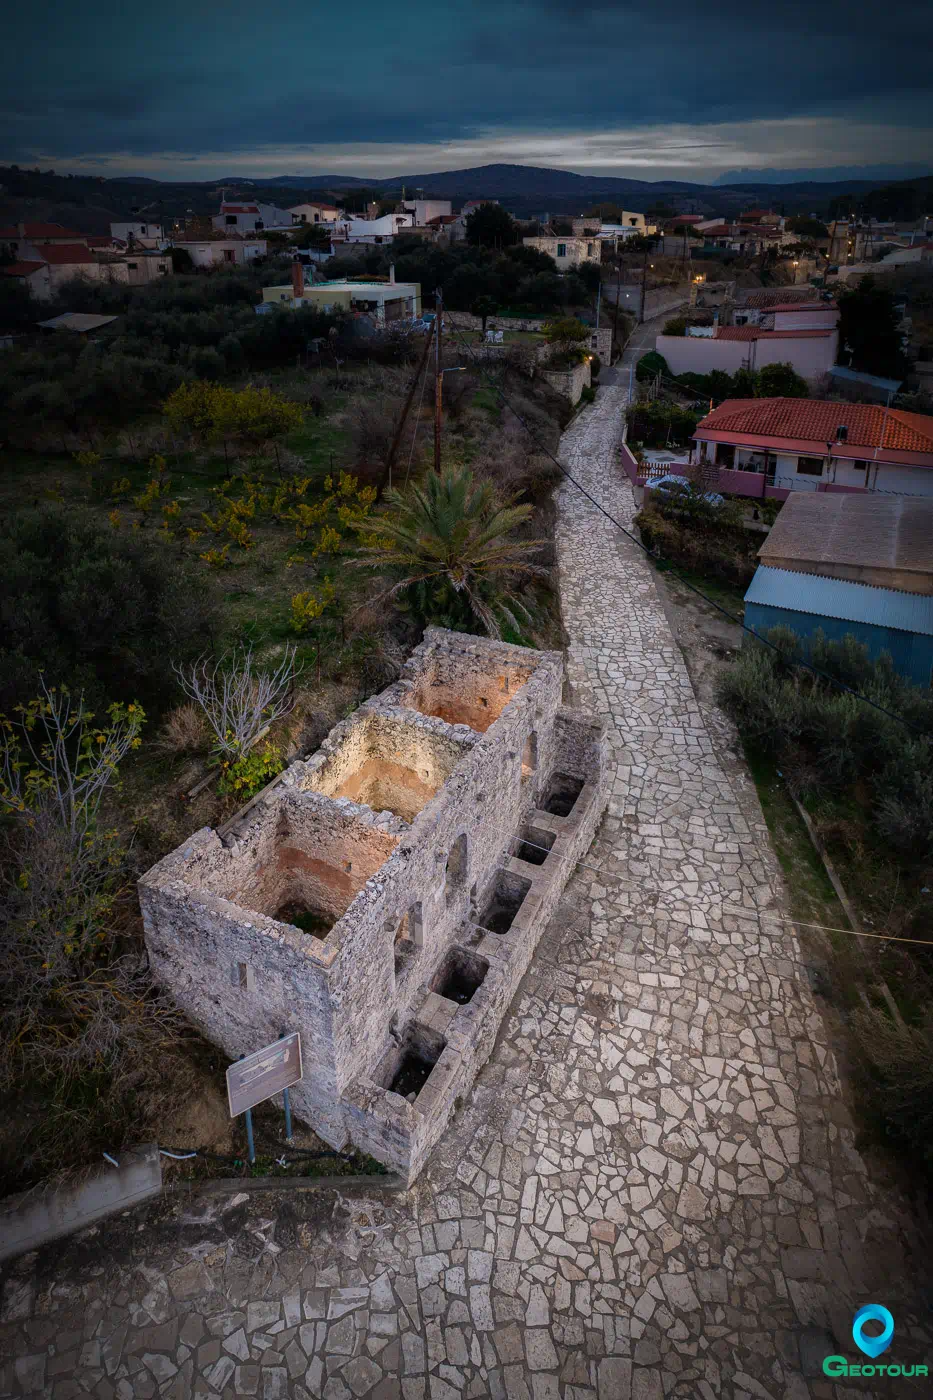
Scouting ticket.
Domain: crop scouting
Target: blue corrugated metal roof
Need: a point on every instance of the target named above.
(836, 597)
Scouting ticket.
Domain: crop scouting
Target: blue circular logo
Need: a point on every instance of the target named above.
(872, 1312)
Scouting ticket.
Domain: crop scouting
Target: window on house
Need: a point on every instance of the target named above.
(809, 466)
(132, 266)
(725, 455)
(231, 219)
(229, 255)
(859, 466)
(562, 250)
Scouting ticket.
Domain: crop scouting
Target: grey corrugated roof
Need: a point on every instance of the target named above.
(834, 597)
(862, 529)
(76, 321)
(858, 377)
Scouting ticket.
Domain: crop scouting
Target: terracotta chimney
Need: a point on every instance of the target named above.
(298, 280)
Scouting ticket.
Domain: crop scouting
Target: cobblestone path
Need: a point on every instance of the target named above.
(654, 1190)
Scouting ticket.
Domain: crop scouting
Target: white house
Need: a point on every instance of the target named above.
(239, 217)
(425, 210)
(315, 212)
(215, 252)
(776, 446)
(383, 301)
(30, 273)
(134, 230)
(383, 230)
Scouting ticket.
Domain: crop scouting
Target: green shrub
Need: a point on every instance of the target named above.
(100, 609)
(587, 394)
(650, 366)
(596, 365)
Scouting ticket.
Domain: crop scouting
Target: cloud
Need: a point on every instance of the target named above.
(527, 75)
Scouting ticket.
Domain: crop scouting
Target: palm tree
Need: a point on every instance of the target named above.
(448, 543)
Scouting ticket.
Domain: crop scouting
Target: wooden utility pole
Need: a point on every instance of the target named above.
(438, 376)
(644, 283)
(393, 450)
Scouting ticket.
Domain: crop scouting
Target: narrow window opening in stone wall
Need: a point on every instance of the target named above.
(241, 977)
(484, 702)
(456, 867)
(530, 755)
(408, 936)
(348, 866)
(504, 684)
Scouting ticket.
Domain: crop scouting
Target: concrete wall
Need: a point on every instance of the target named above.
(445, 767)
(35, 1217)
(811, 356)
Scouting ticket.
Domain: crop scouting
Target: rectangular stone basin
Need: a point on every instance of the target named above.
(458, 691)
(383, 763)
(306, 867)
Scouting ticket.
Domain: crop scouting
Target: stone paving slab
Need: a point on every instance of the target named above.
(654, 1191)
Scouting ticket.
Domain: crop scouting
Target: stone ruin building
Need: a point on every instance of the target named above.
(385, 895)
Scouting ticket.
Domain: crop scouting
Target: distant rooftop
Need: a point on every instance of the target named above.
(819, 530)
(79, 321)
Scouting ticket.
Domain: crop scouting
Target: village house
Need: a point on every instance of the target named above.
(315, 211)
(853, 565)
(135, 231)
(218, 251)
(31, 273)
(771, 447)
(249, 217)
(48, 256)
(425, 210)
(375, 231)
(567, 253)
(382, 299)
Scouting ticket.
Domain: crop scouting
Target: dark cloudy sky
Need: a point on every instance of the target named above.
(196, 89)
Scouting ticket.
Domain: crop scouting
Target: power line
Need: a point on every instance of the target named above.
(794, 661)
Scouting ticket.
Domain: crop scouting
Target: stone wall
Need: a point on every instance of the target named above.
(570, 382)
(393, 835)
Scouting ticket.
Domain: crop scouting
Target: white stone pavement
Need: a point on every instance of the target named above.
(654, 1190)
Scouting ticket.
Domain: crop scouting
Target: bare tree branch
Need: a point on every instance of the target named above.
(238, 699)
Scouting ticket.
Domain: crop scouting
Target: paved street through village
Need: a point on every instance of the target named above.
(654, 1190)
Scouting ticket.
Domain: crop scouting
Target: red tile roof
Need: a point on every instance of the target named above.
(40, 231)
(756, 333)
(61, 254)
(99, 240)
(239, 209)
(21, 269)
(816, 421)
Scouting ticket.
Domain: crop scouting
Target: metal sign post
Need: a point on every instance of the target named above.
(260, 1076)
